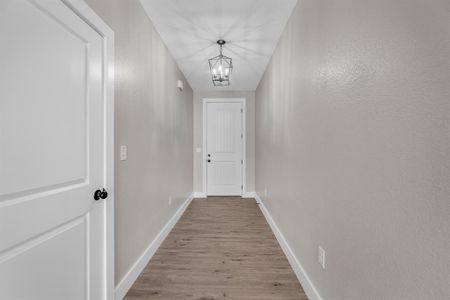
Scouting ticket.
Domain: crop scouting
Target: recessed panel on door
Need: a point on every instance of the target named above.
(44, 96)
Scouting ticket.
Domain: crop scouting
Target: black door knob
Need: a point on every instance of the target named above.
(100, 194)
(209, 160)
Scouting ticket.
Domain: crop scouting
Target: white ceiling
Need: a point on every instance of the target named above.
(190, 29)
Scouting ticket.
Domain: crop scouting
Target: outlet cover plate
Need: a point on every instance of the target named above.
(321, 257)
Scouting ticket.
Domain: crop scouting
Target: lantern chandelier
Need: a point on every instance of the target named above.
(221, 67)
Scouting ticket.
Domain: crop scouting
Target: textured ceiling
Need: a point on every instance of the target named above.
(190, 29)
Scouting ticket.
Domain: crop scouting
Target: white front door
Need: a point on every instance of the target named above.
(52, 231)
(224, 138)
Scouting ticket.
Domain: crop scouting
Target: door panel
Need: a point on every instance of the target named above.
(48, 253)
(61, 55)
(51, 153)
(224, 145)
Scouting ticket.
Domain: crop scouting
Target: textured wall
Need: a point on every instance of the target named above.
(198, 135)
(155, 120)
(353, 145)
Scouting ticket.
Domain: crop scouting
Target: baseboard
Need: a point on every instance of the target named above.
(199, 195)
(249, 195)
(258, 200)
(245, 195)
(299, 271)
(131, 276)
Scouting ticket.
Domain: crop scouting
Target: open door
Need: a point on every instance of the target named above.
(55, 152)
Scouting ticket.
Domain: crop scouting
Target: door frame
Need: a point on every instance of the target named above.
(87, 14)
(244, 140)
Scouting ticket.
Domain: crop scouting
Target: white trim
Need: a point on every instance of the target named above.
(200, 195)
(244, 140)
(89, 16)
(249, 195)
(299, 271)
(132, 274)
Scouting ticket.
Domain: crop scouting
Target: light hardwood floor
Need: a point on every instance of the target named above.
(222, 248)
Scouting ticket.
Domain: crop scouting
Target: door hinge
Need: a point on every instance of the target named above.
(242, 135)
(242, 187)
(242, 110)
(242, 161)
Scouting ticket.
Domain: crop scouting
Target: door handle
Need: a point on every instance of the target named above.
(209, 160)
(100, 194)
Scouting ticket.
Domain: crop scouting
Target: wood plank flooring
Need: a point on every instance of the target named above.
(222, 248)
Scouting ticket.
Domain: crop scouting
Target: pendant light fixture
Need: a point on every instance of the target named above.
(221, 67)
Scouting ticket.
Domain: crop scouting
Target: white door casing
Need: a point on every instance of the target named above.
(224, 148)
(55, 151)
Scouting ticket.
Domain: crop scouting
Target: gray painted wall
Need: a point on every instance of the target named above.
(155, 120)
(353, 145)
(198, 135)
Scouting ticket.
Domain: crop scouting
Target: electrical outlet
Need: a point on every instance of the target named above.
(170, 200)
(265, 192)
(123, 152)
(321, 257)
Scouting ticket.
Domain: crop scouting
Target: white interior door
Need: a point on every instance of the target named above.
(224, 148)
(52, 231)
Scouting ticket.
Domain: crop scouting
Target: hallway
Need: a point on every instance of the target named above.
(221, 248)
(212, 150)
